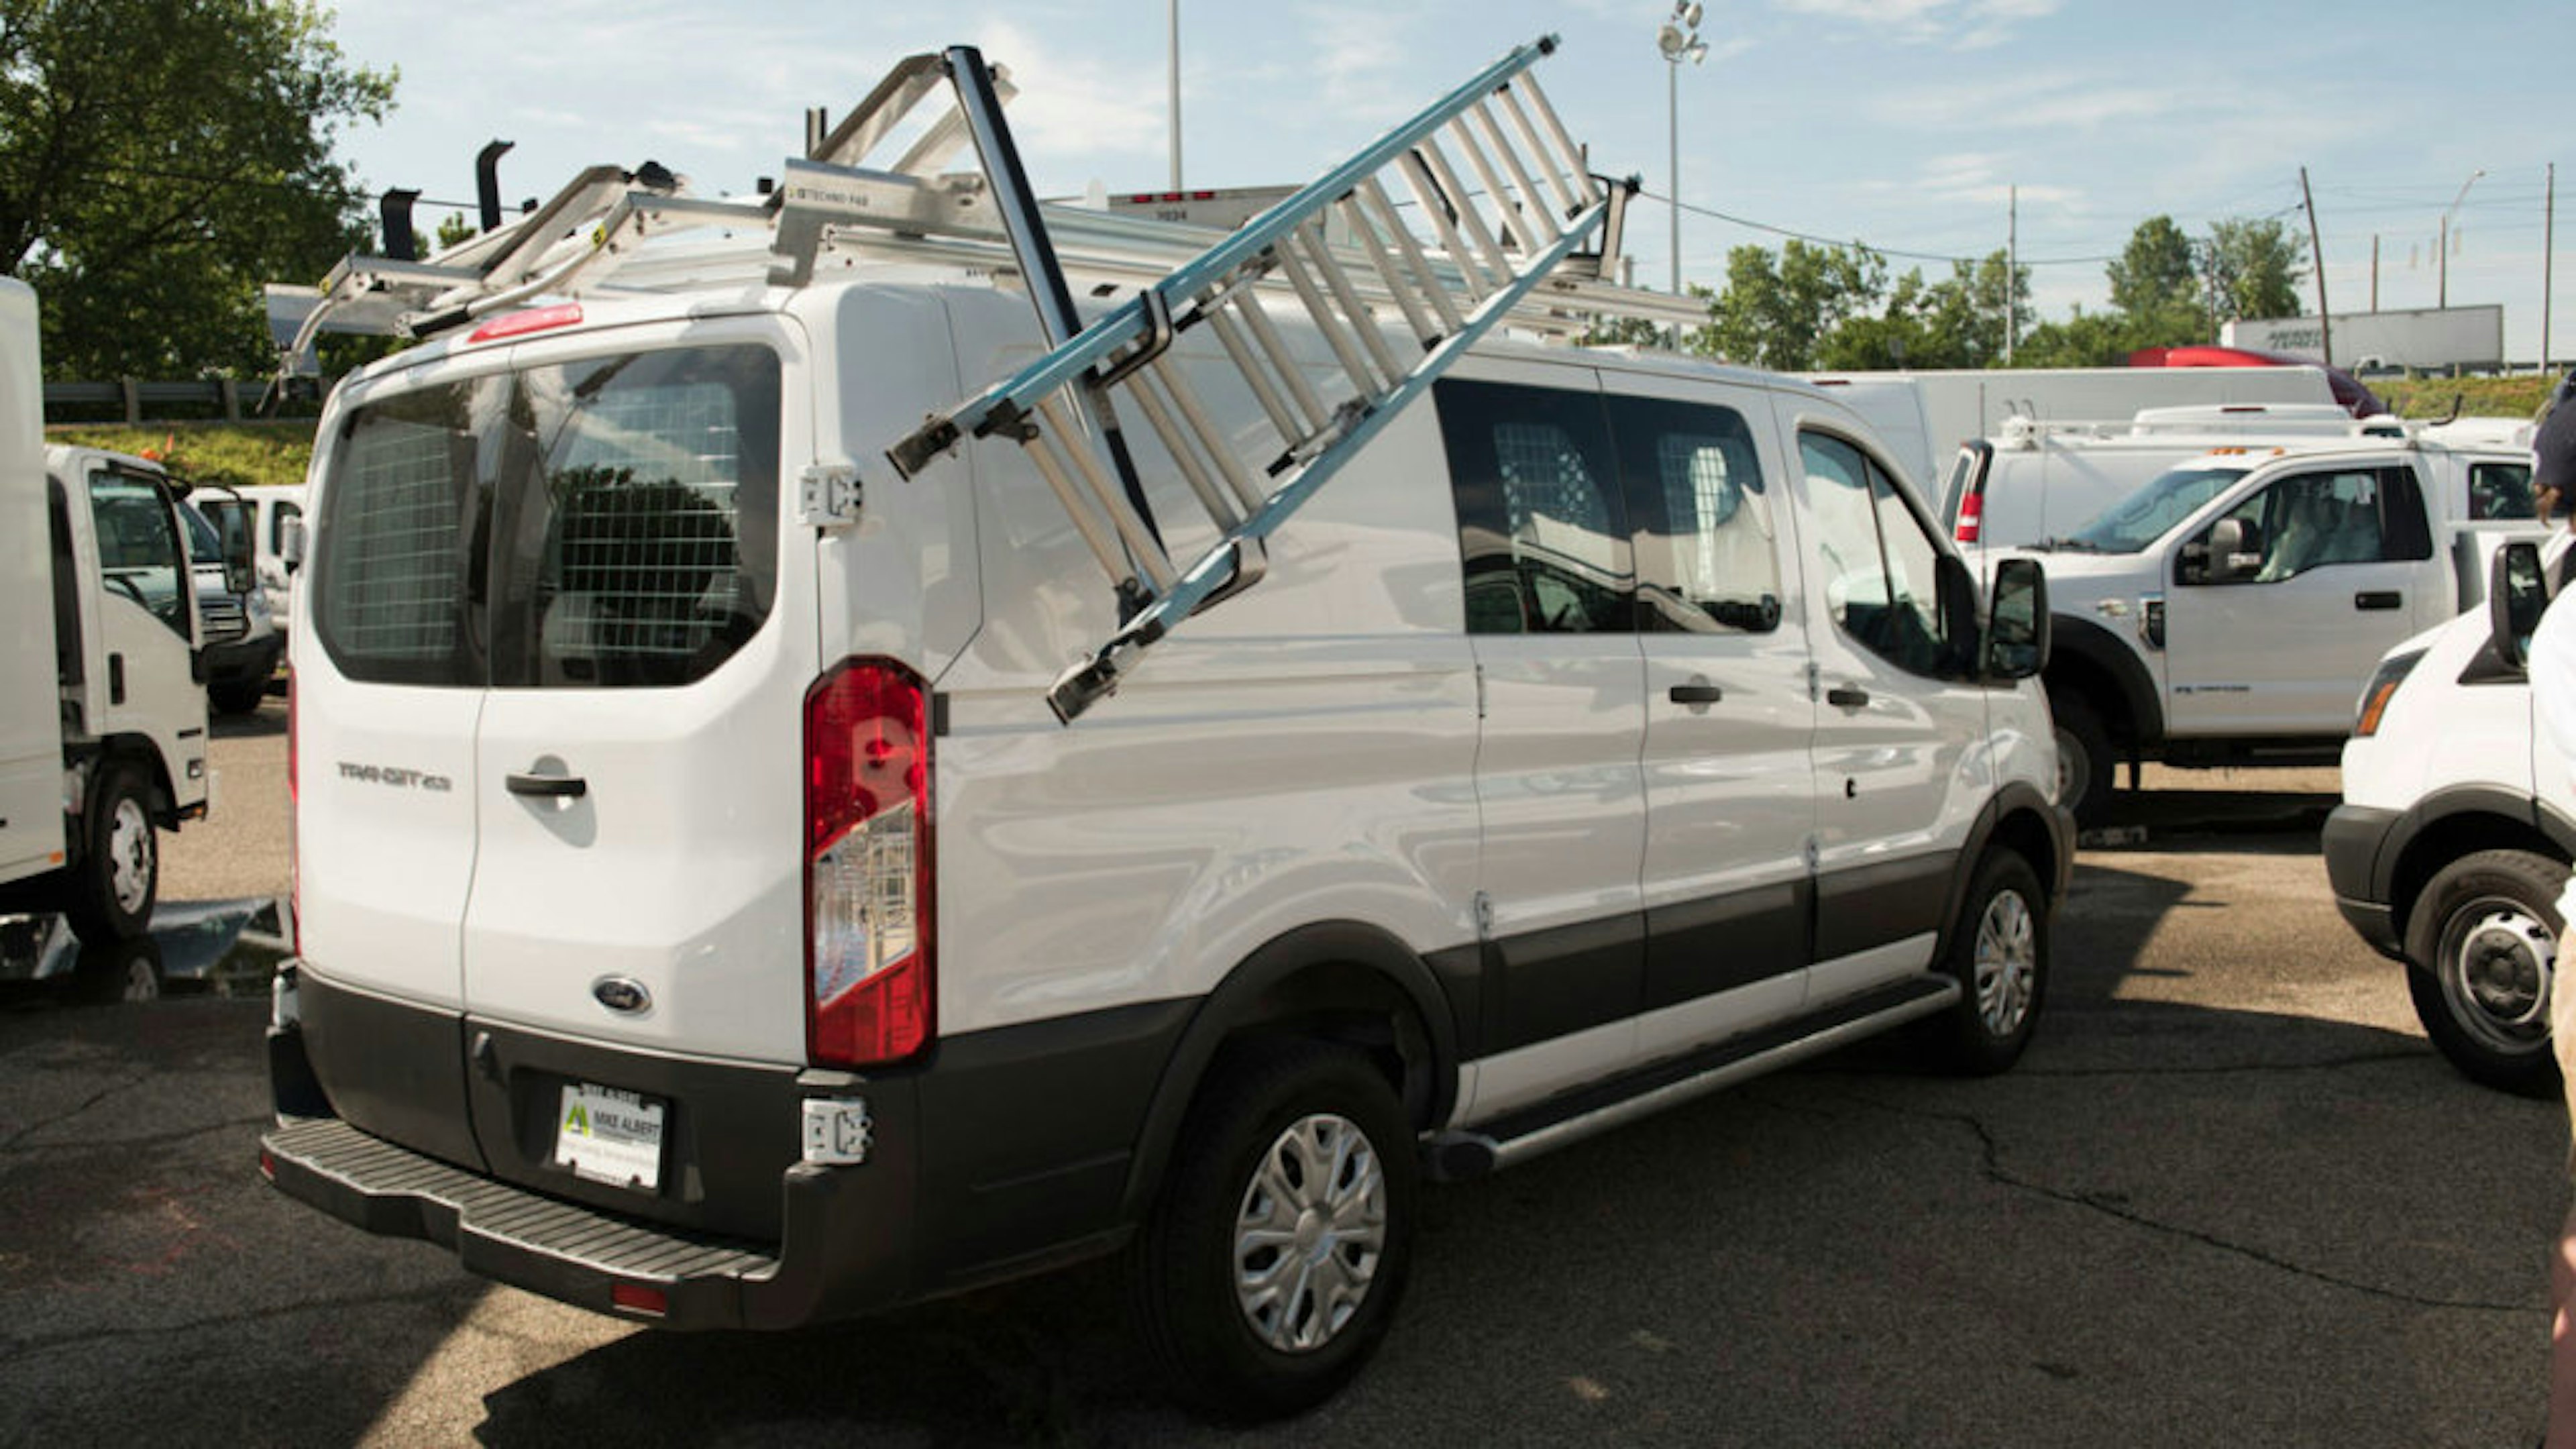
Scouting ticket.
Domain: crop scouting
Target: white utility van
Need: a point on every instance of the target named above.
(242, 642)
(2224, 613)
(1926, 416)
(705, 919)
(2036, 481)
(2451, 845)
(102, 701)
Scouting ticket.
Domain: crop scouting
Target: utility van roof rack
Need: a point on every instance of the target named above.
(1509, 226)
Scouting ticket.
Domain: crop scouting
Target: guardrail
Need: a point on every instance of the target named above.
(204, 399)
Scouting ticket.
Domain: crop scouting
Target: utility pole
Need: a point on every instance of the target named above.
(2012, 269)
(2548, 259)
(2317, 249)
(2374, 271)
(1173, 16)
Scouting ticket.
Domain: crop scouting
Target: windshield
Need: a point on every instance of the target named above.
(2148, 514)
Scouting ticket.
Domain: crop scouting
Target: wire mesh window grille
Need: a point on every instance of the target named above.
(392, 595)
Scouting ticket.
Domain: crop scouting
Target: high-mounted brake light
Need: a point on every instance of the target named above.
(868, 958)
(1972, 513)
(535, 319)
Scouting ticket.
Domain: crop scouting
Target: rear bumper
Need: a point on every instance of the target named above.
(2354, 837)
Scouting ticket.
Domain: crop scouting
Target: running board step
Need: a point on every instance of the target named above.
(1565, 1120)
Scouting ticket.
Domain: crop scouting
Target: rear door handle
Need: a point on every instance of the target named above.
(2379, 599)
(1697, 694)
(1847, 696)
(549, 787)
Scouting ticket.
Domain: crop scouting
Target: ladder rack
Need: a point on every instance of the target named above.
(1507, 226)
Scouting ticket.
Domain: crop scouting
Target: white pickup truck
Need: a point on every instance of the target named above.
(2227, 612)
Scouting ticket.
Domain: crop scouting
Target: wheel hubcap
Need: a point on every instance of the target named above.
(2007, 963)
(1308, 1238)
(2496, 974)
(129, 856)
(2074, 768)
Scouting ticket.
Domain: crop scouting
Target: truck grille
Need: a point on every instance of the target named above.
(222, 617)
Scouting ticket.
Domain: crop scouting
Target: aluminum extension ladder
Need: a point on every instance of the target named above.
(1533, 206)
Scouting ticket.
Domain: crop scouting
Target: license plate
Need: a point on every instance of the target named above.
(610, 1136)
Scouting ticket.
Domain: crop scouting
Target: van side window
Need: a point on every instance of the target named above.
(1706, 544)
(1540, 524)
(1877, 556)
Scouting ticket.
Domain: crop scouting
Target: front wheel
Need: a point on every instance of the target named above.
(2481, 952)
(1274, 1258)
(1999, 955)
(119, 874)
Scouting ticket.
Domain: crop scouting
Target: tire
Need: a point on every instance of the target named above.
(1999, 955)
(2481, 949)
(2085, 762)
(1269, 1115)
(119, 874)
(238, 696)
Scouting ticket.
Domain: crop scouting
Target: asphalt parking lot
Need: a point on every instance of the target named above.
(2231, 1197)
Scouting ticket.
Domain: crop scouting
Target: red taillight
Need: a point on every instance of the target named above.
(868, 961)
(1972, 512)
(520, 324)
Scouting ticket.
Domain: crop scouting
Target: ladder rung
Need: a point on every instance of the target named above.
(1434, 201)
(1321, 311)
(1256, 320)
(1354, 213)
(1553, 166)
(1239, 350)
(1185, 448)
(1510, 235)
(1531, 204)
(1431, 289)
(1044, 455)
(1489, 252)
(1247, 491)
(1319, 252)
(1148, 555)
(1569, 155)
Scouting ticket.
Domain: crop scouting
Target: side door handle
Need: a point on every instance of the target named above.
(1696, 694)
(2373, 599)
(1847, 696)
(548, 787)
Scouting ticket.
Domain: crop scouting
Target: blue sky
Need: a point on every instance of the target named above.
(1900, 123)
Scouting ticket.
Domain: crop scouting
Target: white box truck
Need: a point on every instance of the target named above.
(102, 708)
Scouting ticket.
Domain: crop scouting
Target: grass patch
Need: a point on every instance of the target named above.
(2479, 397)
(238, 455)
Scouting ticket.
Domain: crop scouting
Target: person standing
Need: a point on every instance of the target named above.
(2553, 689)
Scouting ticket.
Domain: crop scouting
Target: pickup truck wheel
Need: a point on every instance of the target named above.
(2084, 758)
(1999, 954)
(2481, 951)
(1273, 1260)
(120, 870)
(239, 696)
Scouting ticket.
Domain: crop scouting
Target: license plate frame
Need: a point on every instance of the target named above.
(611, 1135)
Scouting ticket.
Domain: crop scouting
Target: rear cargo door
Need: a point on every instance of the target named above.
(636, 779)
(388, 698)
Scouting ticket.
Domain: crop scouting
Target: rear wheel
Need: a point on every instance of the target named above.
(1274, 1258)
(2482, 952)
(2084, 758)
(113, 887)
(239, 696)
(1999, 954)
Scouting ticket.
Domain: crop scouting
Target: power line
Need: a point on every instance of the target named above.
(1899, 252)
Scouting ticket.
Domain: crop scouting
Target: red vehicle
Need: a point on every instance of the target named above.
(2357, 399)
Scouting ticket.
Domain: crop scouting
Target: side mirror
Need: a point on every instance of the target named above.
(241, 555)
(2017, 625)
(1954, 593)
(2517, 593)
(2235, 551)
(290, 549)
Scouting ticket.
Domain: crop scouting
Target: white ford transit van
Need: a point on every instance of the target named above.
(704, 918)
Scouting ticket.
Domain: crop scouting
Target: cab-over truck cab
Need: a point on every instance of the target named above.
(102, 705)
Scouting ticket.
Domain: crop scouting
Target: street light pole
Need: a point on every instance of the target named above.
(1172, 13)
(1678, 40)
(2442, 296)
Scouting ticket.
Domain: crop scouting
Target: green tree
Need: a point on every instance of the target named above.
(1778, 315)
(160, 160)
(452, 229)
(2155, 272)
(2254, 268)
(2085, 339)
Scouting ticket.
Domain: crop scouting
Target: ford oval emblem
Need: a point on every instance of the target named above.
(622, 993)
